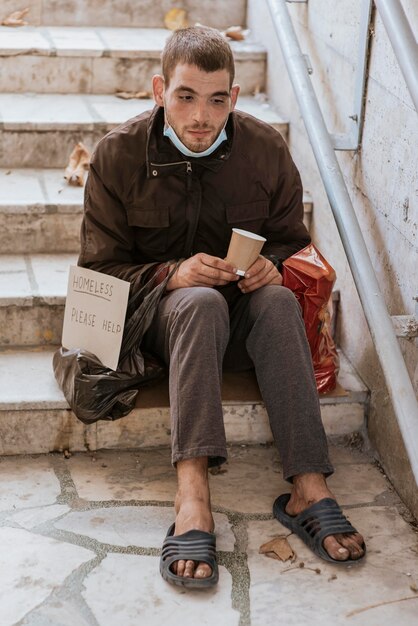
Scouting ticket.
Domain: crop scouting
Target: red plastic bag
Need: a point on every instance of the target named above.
(311, 278)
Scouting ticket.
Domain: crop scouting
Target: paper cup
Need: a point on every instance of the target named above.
(244, 249)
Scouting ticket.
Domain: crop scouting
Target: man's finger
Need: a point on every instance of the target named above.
(269, 275)
(216, 276)
(254, 277)
(218, 263)
(258, 266)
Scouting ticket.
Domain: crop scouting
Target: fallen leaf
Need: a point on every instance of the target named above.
(272, 555)
(67, 454)
(130, 95)
(176, 19)
(77, 165)
(278, 546)
(236, 33)
(413, 588)
(15, 18)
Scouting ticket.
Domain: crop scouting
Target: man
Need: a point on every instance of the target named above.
(163, 193)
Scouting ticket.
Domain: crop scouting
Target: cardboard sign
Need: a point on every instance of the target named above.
(95, 312)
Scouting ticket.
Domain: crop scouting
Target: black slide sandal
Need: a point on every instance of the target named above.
(320, 520)
(195, 545)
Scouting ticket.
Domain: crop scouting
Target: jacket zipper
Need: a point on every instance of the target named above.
(192, 226)
(188, 165)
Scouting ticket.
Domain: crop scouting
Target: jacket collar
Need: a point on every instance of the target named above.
(163, 158)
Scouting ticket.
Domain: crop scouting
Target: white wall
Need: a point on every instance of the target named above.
(382, 181)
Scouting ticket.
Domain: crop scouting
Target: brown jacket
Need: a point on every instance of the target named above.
(146, 203)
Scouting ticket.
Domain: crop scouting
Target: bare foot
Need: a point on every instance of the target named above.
(310, 488)
(193, 511)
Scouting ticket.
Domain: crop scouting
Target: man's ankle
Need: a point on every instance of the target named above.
(309, 482)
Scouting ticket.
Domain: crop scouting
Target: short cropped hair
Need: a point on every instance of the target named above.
(201, 46)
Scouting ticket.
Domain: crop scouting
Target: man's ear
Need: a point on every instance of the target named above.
(158, 89)
(234, 95)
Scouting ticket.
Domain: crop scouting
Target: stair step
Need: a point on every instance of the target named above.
(40, 212)
(40, 131)
(33, 290)
(33, 287)
(60, 59)
(141, 13)
(34, 416)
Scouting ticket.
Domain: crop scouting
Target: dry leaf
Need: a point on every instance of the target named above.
(130, 95)
(413, 588)
(236, 33)
(278, 546)
(176, 19)
(77, 165)
(16, 18)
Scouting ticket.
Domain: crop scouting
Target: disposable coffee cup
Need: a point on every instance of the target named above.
(244, 249)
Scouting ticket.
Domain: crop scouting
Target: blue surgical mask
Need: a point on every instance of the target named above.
(170, 133)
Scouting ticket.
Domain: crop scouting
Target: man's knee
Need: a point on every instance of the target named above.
(276, 298)
(204, 305)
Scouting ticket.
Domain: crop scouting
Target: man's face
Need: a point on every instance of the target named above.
(196, 104)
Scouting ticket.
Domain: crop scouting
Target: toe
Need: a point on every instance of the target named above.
(181, 565)
(335, 549)
(353, 543)
(203, 571)
(344, 547)
(189, 569)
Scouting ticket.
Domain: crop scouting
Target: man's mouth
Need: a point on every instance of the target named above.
(199, 133)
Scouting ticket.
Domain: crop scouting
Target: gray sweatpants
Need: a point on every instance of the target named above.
(197, 333)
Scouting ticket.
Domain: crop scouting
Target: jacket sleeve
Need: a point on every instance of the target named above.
(284, 229)
(107, 240)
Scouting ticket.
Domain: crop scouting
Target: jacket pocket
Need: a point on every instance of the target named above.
(151, 227)
(250, 215)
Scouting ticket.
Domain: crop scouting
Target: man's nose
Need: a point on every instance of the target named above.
(200, 113)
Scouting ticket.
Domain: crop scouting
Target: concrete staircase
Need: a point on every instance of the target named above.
(58, 80)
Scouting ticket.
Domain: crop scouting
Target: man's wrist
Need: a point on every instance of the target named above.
(172, 283)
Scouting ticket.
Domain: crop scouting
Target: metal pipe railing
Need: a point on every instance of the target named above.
(403, 42)
(380, 324)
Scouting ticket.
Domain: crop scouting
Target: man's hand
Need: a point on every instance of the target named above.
(262, 272)
(202, 270)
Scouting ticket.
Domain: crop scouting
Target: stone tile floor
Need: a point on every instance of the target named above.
(80, 541)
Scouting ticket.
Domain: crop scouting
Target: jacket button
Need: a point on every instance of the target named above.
(154, 173)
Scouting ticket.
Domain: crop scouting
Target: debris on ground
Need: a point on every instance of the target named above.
(131, 95)
(77, 165)
(16, 18)
(67, 454)
(236, 33)
(176, 19)
(219, 469)
(278, 548)
(379, 604)
(302, 565)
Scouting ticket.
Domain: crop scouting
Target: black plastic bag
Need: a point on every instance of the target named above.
(95, 392)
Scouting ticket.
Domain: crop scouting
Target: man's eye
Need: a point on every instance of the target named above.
(218, 101)
(186, 98)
